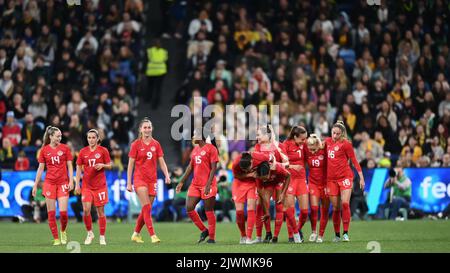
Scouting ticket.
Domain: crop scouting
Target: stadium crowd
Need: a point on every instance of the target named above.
(70, 67)
(383, 70)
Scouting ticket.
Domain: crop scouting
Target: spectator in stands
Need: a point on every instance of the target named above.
(11, 130)
(22, 162)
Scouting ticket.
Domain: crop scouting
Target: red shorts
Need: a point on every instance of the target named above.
(334, 187)
(297, 187)
(151, 186)
(98, 197)
(317, 190)
(243, 191)
(199, 191)
(54, 191)
(269, 185)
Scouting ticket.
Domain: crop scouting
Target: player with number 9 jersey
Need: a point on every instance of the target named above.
(146, 158)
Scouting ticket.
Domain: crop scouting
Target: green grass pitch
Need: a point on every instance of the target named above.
(408, 236)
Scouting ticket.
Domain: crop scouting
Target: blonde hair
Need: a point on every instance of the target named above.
(49, 131)
(99, 140)
(340, 124)
(313, 139)
(144, 120)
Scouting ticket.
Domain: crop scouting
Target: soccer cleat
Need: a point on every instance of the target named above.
(336, 239)
(249, 241)
(203, 236)
(319, 239)
(63, 237)
(102, 240)
(268, 238)
(137, 238)
(291, 240)
(243, 240)
(297, 238)
(313, 237)
(211, 241)
(345, 238)
(56, 242)
(90, 236)
(301, 236)
(258, 240)
(274, 240)
(155, 239)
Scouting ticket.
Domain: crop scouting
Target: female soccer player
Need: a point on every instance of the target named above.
(316, 158)
(294, 148)
(340, 177)
(272, 180)
(204, 158)
(93, 160)
(244, 190)
(145, 152)
(57, 157)
(267, 144)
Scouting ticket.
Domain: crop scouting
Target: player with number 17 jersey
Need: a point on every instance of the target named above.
(146, 158)
(94, 182)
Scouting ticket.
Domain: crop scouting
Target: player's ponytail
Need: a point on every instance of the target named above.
(340, 124)
(313, 139)
(296, 131)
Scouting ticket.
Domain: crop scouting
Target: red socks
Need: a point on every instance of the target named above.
(88, 222)
(291, 223)
(240, 221)
(337, 221)
(147, 212)
(102, 225)
(303, 217)
(259, 214)
(139, 223)
(211, 224)
(346, 216)
(196, 219)
(52, 223)
(313, 217)
(63, 218)
(251, 218)
(323, 220)
(278, 219)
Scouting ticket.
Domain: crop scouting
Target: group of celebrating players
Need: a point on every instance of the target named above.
(271, 170)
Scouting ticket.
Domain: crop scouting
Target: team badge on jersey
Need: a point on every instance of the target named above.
(203, 153)
(336, 148)
(48, 193)
(320, 157)
(152, 149)
(97, 155)
(60, 153)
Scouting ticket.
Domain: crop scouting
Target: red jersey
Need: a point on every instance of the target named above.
(296, 155)
(202, 159)
(93, 179)
(269, 150)
(55, 159)
(317, 164)
(146, 156)
(279, 175)
(338, 154)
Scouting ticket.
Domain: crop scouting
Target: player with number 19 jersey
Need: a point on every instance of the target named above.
(56, 183)
(94, 188)
(317, 178)
(146, 156)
